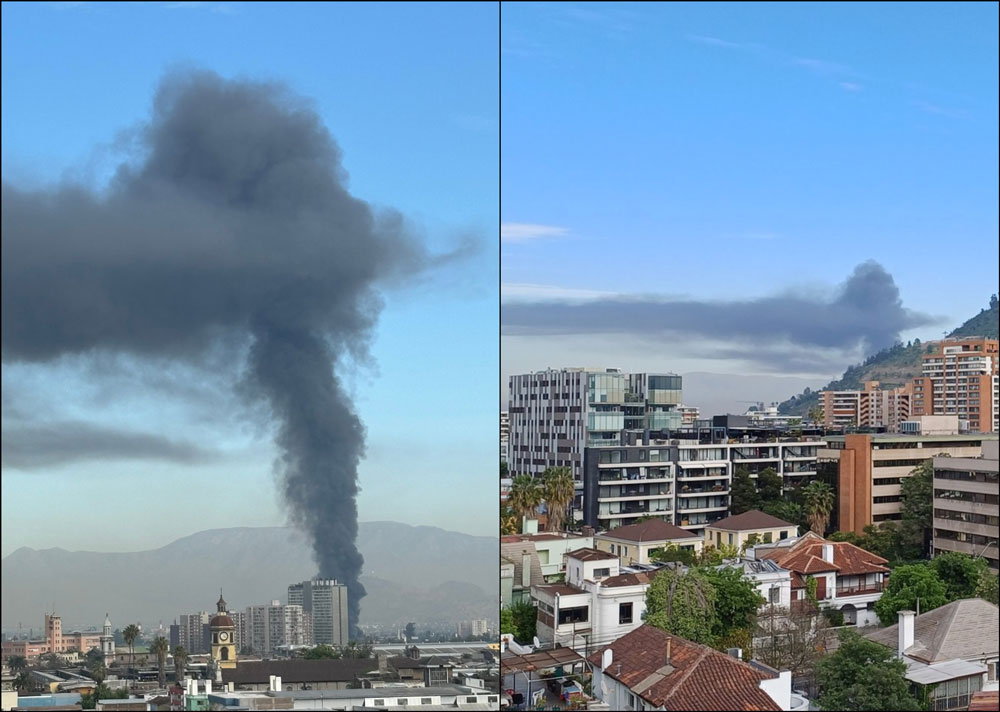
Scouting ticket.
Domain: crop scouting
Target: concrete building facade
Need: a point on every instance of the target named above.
(967, 505)
(325, 601)
(959, 377)
(872, 468)
(872, 406)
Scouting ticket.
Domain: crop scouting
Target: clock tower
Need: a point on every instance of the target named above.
(223, 640)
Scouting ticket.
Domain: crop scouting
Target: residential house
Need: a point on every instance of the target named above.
(596, 604)
(520, 560)
(431, 671)
(953, 647)
(848, 578)
(633, 543)
(773, 583)
(650, 669)
(736, 530)
(551, 548)
(525, 672)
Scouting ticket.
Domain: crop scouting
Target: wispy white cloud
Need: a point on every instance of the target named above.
(939, 110)
(822, 66)
(522, 291)
(850, 86)
(525, 232)
(714, 41)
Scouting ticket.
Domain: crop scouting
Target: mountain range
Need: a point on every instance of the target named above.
(412, 573)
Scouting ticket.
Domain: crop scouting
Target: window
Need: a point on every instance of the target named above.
(992, 674)
(402, 701)
(624, 613)
(630, 698)
(768, 537)
(573, 615)
(380, 703)
(470, 699)
(601, 572)
(783, 535)
(774, 594)
(426, 701)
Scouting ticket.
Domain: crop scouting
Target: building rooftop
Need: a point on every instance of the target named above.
(649, 530)
(967, 628)
(513, 551)
(752, 520)
(805, 556)
(298, 671)
(591, 555)
(896, 438)
(696, 677)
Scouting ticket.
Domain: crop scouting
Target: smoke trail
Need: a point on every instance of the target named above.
(235, 221)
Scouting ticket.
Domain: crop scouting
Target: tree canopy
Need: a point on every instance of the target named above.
(960, 573)
(906, 585)
(519, 620)
(742, 492)
(736, 602)
(682, 603)
(863, 675)
(322, 652)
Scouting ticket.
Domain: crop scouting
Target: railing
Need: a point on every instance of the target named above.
(859, 590)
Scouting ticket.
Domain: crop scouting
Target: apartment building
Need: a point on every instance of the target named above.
(959, 377)
(272, 629)
(872, 406)
(325, 601)
(193, 632)
(872, 468)
(504, 434)
(683, 481)
(967, 504)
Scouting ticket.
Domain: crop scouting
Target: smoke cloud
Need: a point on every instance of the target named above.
(234, 221)
(866, 312)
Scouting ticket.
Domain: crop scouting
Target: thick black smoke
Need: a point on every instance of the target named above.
(867, 312)
(235, 220)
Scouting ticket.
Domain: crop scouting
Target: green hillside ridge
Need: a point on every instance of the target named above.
(896, 365)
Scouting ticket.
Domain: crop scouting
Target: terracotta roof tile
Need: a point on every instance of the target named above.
(806, 556)
(697, 677)
(591, 555)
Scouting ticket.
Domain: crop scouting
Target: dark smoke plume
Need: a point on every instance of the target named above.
(867, 312)
(234, 220)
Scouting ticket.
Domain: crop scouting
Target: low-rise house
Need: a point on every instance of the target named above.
(633, 543)
(523, 565)
(551, 548)
(736, 530)
(597, 603)
(650, 669)
(526, 675)
(848, 578)
(774, 583)
(428, 698)
(954, 648)
(430, 671)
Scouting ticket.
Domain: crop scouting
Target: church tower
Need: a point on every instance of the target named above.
(223, 637)
(107, 641)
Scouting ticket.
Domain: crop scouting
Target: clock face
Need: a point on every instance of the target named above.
(223, 637)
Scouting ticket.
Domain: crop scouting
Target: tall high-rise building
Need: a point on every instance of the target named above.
(504, 434)
(193, 632)
(325, 601)
(556, 414)
(967, 504)
(871, 406)
(959, 377)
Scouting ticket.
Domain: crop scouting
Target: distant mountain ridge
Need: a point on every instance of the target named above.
(423, 574)
(895, 365)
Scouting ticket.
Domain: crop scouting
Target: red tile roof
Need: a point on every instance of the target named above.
(697, 677)
(988, 701)
(591, 555)
(754, 519)
(806, 557)
(641, 577)
(650, 530)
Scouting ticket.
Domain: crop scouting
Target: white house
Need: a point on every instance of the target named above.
(551, 548)
(774, 583)
(633, 543)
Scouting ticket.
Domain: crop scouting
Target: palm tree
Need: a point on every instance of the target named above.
(98, 671)
(161, 648)
(819, 499)
(525, 495)
(23, 681)
(180, 663)
(508, 520)
(17, 663)
(130, 633)
(558, 488)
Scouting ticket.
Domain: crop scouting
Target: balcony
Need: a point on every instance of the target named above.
(860, 590)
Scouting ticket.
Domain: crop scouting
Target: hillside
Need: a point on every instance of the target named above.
(895, 365)
(423, 574)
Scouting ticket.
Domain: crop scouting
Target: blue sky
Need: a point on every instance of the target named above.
(727, 152)
(410, 93)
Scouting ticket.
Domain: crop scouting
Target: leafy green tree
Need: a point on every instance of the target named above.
(742, 492)
(786, 511)
(960, 572)
(682, 603)
(906, 585)
(23, 682)
(713, 556)
(508, 520)
(17, 663)
(558, 489)
(672, 552)
(410, 631)
(519, 620)
(736, 602)
(356, 650)
(819, 498)
(816, 414)
(98, 671)
(322, 652)
(917, 509)
(525, 496)
(863, 675)
(987, 587)
(160, 648)
(769, 486)
(88, 701)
